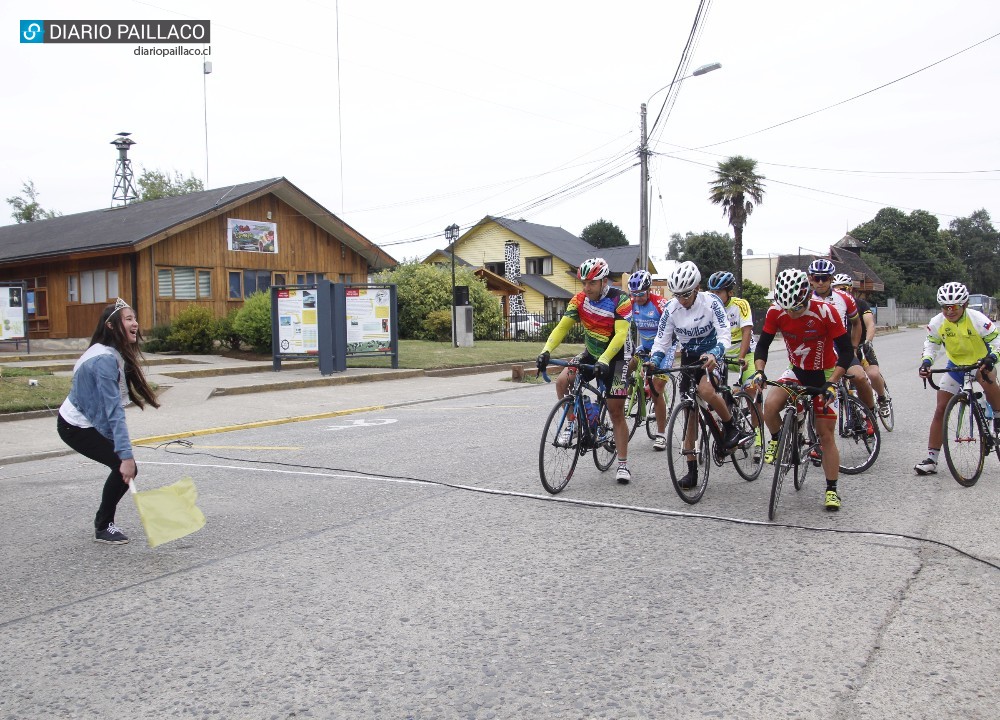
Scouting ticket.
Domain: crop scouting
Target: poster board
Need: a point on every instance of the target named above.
(13, 312)
(298, 331)
(369, 319)
(251, 236)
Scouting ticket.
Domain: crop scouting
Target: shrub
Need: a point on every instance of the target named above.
(437, 325)
(157, 339)
(575, 334)
(253, 322)
(191, 331)
(225, 333)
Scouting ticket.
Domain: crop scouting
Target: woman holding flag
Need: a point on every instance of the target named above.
(106, 378)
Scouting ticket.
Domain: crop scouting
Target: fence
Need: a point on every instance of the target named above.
(894, 315)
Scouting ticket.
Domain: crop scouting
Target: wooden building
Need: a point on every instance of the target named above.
(211, 248)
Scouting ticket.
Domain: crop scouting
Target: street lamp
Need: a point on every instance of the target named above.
(451, 235)
(644, 169)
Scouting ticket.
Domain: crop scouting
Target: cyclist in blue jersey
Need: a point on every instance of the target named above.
(699, 321)
(647, 309)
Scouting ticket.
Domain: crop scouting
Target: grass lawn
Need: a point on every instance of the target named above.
(17, 395)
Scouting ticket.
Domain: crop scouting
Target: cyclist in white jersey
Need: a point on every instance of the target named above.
(699, 323)
(821, 273)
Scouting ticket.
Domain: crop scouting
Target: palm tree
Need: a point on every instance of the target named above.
(738, 189)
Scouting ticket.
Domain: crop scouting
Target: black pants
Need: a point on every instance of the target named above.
(90, 443)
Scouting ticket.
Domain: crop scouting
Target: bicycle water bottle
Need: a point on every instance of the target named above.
(592, 413)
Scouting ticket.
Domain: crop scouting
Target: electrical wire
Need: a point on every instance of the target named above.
(574, 501)
(855, 97)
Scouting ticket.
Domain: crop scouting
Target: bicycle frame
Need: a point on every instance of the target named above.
(961, 441)
(576, 389)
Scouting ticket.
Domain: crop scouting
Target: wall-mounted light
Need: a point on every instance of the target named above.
(268, 214)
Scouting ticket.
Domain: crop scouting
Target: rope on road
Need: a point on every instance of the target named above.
(583, 503)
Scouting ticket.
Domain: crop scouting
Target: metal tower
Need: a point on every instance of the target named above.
(124, 190)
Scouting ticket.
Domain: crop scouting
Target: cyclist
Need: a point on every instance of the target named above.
(864, 351)
(821, 280)
(699, 322)
(647, 309)
(741, 329)
(968, 337)
(604, 312)
(819, 351)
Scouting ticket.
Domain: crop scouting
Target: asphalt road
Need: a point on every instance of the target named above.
(406, 563)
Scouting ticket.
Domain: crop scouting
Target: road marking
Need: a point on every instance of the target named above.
(158, 439)
(361, 422)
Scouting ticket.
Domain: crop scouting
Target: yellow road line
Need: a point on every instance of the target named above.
(157, 439)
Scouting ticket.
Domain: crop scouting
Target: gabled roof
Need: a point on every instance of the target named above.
(141, 224)
(846, 262)
(545, 287)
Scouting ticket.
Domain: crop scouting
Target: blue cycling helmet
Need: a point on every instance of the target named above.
(722, 280)
(822, 266)
(639, 282)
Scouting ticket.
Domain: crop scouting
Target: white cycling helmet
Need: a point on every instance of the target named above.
(791, 288)
(684, 278)
(842, 279)
(952, 293)
(593, 269)
(822, 266)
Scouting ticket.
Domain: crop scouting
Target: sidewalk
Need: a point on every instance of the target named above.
(205, 394)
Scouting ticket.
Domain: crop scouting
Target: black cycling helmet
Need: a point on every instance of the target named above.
(722, 280)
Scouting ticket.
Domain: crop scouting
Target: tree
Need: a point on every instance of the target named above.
(676, 247)
(604, 234)
(421, 289)
(738, 189)
(156, 184)
(912, 251)
(977, 244)
(710, 251)
(26, 208)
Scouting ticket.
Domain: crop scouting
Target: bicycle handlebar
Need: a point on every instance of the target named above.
(572, 364)
(956, 368)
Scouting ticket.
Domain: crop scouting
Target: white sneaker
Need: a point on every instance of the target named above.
(624, 477)
(659, 443)
(926, 467)
(565, 438)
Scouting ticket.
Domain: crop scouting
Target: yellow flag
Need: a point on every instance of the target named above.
(168, 513)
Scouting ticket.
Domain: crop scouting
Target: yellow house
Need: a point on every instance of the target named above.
(540, 260)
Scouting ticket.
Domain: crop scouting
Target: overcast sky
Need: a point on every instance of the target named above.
(445, 111)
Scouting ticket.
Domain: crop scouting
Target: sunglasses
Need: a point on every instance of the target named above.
(821, 278)
(951, 308)
(644, 293)
(685, 296)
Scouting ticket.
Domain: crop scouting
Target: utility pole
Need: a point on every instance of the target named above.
(643, 192)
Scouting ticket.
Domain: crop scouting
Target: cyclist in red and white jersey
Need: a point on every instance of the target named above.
(819, 352)
(821, 273)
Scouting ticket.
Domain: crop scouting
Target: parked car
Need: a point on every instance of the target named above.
(523, 326)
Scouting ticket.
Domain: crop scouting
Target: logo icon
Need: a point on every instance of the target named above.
(32, 31)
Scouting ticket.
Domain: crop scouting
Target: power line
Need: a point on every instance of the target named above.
(860, 95)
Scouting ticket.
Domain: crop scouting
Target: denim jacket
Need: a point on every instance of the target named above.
(96, 392)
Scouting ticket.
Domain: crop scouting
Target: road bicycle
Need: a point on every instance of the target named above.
(571, 431)
(798, 442)
(639, 407)
(886, 414)
(695, 432)
(859, 437)
(969, 436)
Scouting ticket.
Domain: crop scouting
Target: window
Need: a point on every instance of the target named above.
(184, 283)
(308, 278)
(497, 268)
(538, 265)
(345, 278)
(92, 286)
(244, 283)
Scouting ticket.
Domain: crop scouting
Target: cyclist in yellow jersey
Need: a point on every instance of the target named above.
(968, 337)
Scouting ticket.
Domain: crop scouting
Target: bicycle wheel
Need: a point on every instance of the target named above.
(860, 438)
(669, 390)
(557, 460)
(635, 407)
(807, 443)
(748, 461)
(888, 420)
(784, 460)
(678, 458)
(605, 451)
(964, 448)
